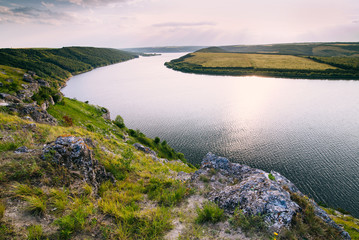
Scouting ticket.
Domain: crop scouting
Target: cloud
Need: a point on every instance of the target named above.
(48, 5)
(184, 24)
(356, 21)
(24, 14)
(94, 2)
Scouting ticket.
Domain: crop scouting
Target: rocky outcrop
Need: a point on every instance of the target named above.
(106, 114)
(35, 112)
(74, 154)
(28, 90)
(145, 149)
(234, 185)
(9, 98)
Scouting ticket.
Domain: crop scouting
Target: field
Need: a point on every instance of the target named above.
(259, 61)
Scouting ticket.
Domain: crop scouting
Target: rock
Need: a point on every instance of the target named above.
(9, 80)
(35, 112)
(234, 185)
(31, 73)
(9, 98)
(43, 83)
(106, 114)
(74, 154)
(1, 84)
(28, 91)
(22, 149)
(145, 149)
(28, 78)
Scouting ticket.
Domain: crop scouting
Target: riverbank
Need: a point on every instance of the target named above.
(267, 65)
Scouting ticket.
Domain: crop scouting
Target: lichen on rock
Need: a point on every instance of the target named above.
(235, 186)
(74, 154)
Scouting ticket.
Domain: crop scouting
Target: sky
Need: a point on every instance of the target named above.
(143, 23)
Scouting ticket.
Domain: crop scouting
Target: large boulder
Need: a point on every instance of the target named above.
(234, 185)
(74, 154)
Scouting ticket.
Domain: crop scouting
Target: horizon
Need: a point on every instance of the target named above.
(139, 23)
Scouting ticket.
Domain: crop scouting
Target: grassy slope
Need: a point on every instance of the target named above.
(72, 204)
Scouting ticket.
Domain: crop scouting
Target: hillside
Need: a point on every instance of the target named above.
(57, 65)
(305, 49)
(309, 61)
(172, 49)
(67, 171)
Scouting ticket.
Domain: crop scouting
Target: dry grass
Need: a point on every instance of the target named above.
(263, 61)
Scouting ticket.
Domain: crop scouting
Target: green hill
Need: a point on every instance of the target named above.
(57, 65)
(307, 60)
(306, 49)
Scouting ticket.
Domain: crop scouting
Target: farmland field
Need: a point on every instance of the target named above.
(261, 61)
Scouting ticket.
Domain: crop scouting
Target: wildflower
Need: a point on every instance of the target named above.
(275, 233)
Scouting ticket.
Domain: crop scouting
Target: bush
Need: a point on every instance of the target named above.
(34, 232)
(90, 127)
(157, 140)
(119, 122)
(67, 121)
(210, 212)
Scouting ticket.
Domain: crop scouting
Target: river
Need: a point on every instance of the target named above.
(308, 130)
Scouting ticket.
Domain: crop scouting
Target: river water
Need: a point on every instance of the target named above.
(308, 130)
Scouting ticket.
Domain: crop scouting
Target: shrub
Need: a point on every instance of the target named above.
(34, 232)
(90, 127)
(119, 122)
(157, 140)
(67, 121)
(210, 212)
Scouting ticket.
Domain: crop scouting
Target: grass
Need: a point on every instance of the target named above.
(259, 61)
(58, 200)
(350, 224)
(209, 212)
(271, 177)
(306, 224)
(35, 232)
(11, 78)
(2, 210)
(268, 65)
(75, 221)
(250, 224)
(36, 205)
(167, 192)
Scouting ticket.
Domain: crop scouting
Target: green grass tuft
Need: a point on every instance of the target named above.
(34, 232)
(36, 205)
(210, 212)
